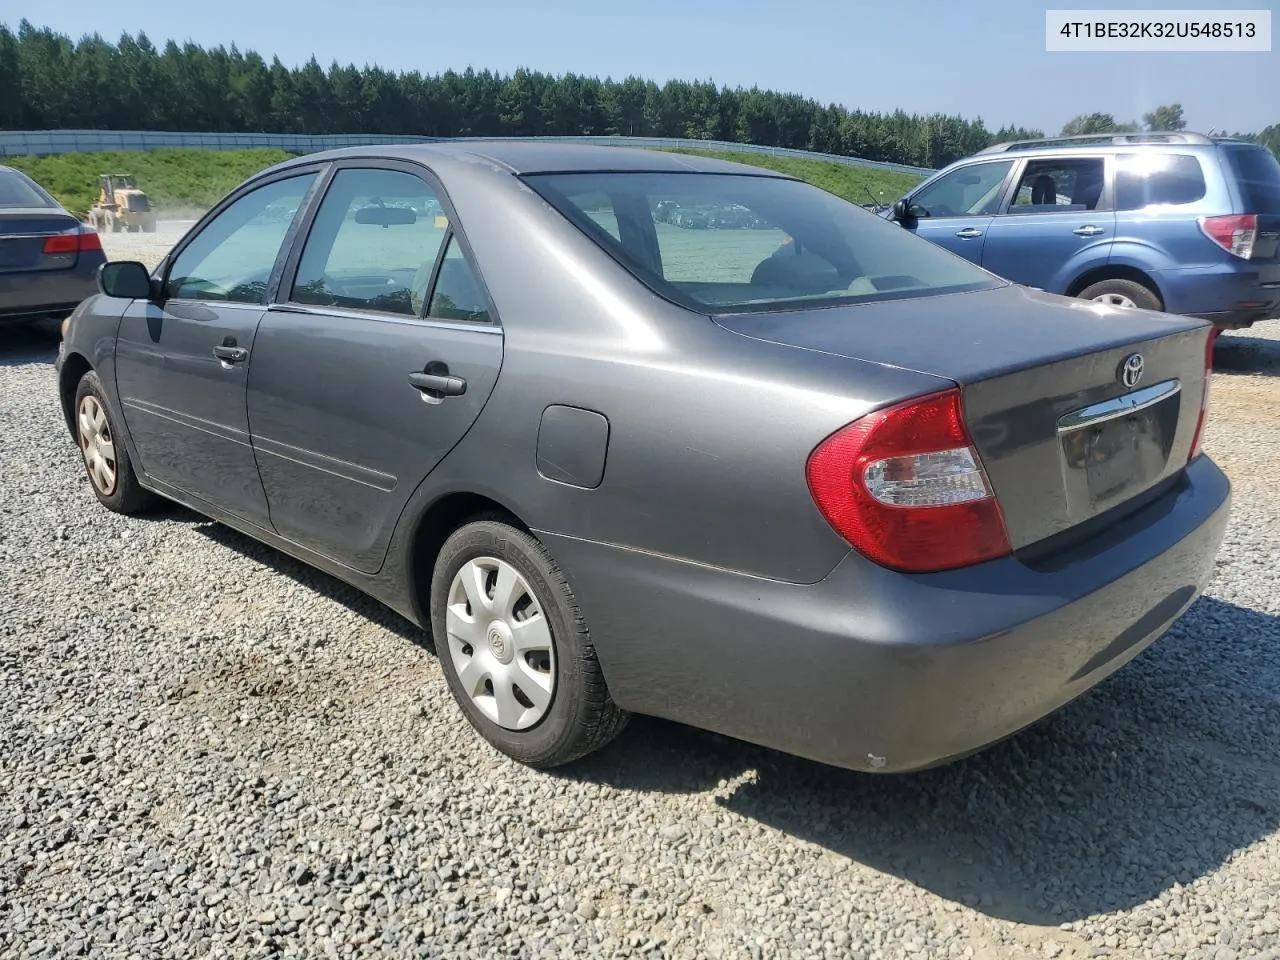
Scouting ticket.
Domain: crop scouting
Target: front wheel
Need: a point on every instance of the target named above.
(515, 649)
(1122, 293)
(105, 458)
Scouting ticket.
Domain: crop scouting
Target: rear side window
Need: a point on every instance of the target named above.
(735, 243)
(1157, 179)
(457, 295)
(1257, 175)
(17, 191)
(1067, 185)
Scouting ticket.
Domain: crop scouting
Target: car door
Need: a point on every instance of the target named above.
(182, 363)
(1057, 223)
(372, 365)
(955, 210)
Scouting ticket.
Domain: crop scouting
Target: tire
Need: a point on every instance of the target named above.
(1122, 293)
(580, 716)
(123, 494)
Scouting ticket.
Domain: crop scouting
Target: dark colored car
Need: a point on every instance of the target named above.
(48, 259)
(857, 500)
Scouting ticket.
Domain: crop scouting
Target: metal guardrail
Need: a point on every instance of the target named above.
(15, 143)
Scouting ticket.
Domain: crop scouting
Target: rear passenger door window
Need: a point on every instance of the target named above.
(1158, 179)
(1061, 185)
(373, 244)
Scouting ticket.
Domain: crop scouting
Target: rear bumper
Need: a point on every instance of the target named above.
(1228, 294)
(873, 670)
(52, 293)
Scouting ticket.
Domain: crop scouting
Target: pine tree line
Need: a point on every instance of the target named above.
(48, 81)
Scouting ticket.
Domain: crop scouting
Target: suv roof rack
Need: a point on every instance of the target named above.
(1085, 139)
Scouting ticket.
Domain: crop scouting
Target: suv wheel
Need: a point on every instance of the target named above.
(1122, 293)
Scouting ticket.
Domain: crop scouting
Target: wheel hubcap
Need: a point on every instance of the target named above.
(1115, 300)
(97, 445)
(500, 643)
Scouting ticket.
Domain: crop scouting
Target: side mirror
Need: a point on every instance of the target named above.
(125, 279)
(902, 210)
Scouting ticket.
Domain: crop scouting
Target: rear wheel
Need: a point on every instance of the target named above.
(515, 649)
(1122, 293)
(105, 458)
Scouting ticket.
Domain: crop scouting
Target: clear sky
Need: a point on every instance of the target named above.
(971, 57)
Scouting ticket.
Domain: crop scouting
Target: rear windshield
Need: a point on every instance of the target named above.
(1257, 174)
(729, 243)
(17, 191)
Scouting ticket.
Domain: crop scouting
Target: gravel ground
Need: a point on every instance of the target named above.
(209, 750)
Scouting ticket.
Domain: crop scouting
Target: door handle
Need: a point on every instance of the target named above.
(438, 385)
(231, 354)
(1089, 231)
(968, 233)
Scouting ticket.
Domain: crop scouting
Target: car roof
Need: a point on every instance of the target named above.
(532, 157)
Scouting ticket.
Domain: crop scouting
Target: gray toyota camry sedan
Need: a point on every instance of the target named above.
(630, 432)
(48, 259)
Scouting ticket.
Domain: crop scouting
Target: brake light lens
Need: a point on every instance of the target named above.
(1198, 437)
(906, 488)
(73, 241)
(1235, 234)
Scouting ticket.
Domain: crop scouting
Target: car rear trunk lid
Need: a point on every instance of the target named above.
(1062, 435)
(23, 234)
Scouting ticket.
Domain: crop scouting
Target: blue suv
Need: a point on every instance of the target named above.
(1178, 222)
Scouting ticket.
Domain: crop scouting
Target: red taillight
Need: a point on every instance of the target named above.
(1198, 436)
(62, 243)
(73, 241)
(1235, 234)
(906, 488)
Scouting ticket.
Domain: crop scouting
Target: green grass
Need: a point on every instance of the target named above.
(177, 181)
(848, 181)
(185, 181)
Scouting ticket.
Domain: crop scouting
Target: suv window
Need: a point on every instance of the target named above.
(369, 248)
(1150, 179)
(741, 243)
(1257, 175)
(971, 190)
(232, 256)
(1063, 185)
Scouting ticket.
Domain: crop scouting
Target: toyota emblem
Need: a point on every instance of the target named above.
(1131, 370)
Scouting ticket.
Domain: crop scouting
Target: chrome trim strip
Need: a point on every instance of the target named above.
(1117, 407)
(220, 430)
(345, 469)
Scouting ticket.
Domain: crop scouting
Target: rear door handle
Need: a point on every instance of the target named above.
(1089, 231)
(438, 384)
(231, 354)
(968, 233)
